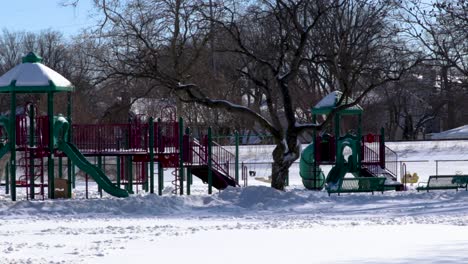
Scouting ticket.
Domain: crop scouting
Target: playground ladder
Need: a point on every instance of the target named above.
(38, 171)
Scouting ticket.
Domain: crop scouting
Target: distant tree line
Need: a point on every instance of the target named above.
(259, 66)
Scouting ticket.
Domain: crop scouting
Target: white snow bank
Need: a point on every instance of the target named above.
(239, 202)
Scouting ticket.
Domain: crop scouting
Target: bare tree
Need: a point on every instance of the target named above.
(272, 43)
(440, 30)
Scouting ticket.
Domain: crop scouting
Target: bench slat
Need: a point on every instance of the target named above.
(359, 184)
(445, 182)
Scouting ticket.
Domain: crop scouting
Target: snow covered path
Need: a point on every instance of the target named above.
(239, 226)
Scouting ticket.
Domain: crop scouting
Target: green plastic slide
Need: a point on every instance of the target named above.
(97, 174)
(4, 149)
(61, 127)
(311, 174)
(336, 174)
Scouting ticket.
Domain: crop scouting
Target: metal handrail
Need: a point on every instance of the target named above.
(391, 161)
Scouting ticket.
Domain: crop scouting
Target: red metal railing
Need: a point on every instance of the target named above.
(41, 131)
(370, 149)
(102, 138)
(222, 160)
(166, 137)
(199, 153)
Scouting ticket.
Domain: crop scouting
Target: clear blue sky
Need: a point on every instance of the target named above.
(37, 15)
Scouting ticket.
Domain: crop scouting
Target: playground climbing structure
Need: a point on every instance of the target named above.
(31, 138)
(348, 153)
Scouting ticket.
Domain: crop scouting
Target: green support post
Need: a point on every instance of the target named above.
(99, 164)
(118, 171)
(130, 175)
(73, 176)
(7, 178)
(189, 173)
(382, 148)
(160, 178)
(50, 158)
(160, 167)
(210, 175)
(181, 155)
(12, 141)
(189, 180)
(151, 153)
(337, 134)
(60, 165)
(359, 153)
(145, 172)
(314, 140)
(31, 152)
(236, 166)
(69, 162)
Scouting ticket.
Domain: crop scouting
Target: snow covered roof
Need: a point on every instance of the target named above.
(32, 76)
(329, 102)
(455, 133)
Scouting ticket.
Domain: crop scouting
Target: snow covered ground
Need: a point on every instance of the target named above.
(255, 224)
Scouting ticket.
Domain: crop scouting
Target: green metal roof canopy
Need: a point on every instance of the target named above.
(329, 102)
(32, 76)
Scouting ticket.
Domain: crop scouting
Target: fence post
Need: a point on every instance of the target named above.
(437, 167)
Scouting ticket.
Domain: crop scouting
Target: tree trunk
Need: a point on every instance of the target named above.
(283, 159)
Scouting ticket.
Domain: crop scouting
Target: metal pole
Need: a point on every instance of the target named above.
(210, 176)
(181, 155)
(118, 171)
(50, 158)
(130, 175)
(160, 178)
(7, 178)
(31, 152)
(60, 165)
(189, 172)
(189, 180)
(160, 167)
(151, 152)
(237, 157)
(99, 163)
(69, 162)
(382, 148)
(437, 167)
(361, 143)
(12, 141)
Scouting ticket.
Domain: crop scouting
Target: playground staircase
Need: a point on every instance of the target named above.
(374, 166)
(222, 163)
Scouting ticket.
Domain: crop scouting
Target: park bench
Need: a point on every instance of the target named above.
(444, 182)
(358, 184)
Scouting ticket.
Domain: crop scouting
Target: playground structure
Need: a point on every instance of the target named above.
(142, 143)
(353, 153)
